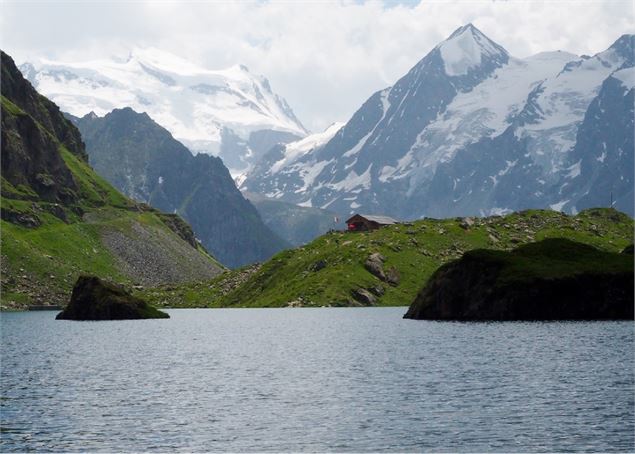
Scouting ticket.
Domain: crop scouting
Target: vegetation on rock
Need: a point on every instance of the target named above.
(554, 279)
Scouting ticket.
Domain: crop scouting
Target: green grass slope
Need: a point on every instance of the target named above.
(330, 269)
(40, 265)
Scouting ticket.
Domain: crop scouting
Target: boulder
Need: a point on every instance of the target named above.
(365, 297)
(317, 266)
(466, 223)
(392, 276)
(375, 265)
(554, 279)
(29, 220)
(377, 290)
(94, 299)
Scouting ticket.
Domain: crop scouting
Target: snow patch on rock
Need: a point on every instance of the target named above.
(626, 76)
(295, 150)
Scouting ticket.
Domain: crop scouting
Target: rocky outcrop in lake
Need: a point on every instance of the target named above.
(554, 279)
(94, 299)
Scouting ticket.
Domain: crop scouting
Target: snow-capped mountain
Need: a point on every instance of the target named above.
(230, 113)
(468, 130)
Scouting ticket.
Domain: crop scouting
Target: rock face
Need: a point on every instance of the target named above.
(94, 299)
(603, 153)
(30, 143)
(554, 279)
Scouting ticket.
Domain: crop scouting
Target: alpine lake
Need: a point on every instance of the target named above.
(323, 379)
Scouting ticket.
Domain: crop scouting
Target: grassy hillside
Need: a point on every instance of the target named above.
(40, 265)
(331, 269)
(60, 219)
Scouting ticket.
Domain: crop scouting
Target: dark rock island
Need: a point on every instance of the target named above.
(94, 299)
(554, 279)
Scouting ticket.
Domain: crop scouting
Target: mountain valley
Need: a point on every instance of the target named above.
(470, 130)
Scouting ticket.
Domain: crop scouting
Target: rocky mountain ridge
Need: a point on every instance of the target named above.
(144, 161)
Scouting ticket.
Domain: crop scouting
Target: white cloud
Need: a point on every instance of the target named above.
(325, 58)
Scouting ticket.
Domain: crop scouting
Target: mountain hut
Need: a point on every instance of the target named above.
(365, 222)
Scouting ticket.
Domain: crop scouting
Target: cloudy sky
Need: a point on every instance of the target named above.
(324, 57)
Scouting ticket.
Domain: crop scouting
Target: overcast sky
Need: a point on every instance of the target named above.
(326, 58)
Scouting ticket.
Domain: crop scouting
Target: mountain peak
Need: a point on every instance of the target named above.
(467, 28)
(163, 60)
(466, 48)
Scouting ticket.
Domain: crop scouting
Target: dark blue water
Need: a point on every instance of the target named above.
(314, 380)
